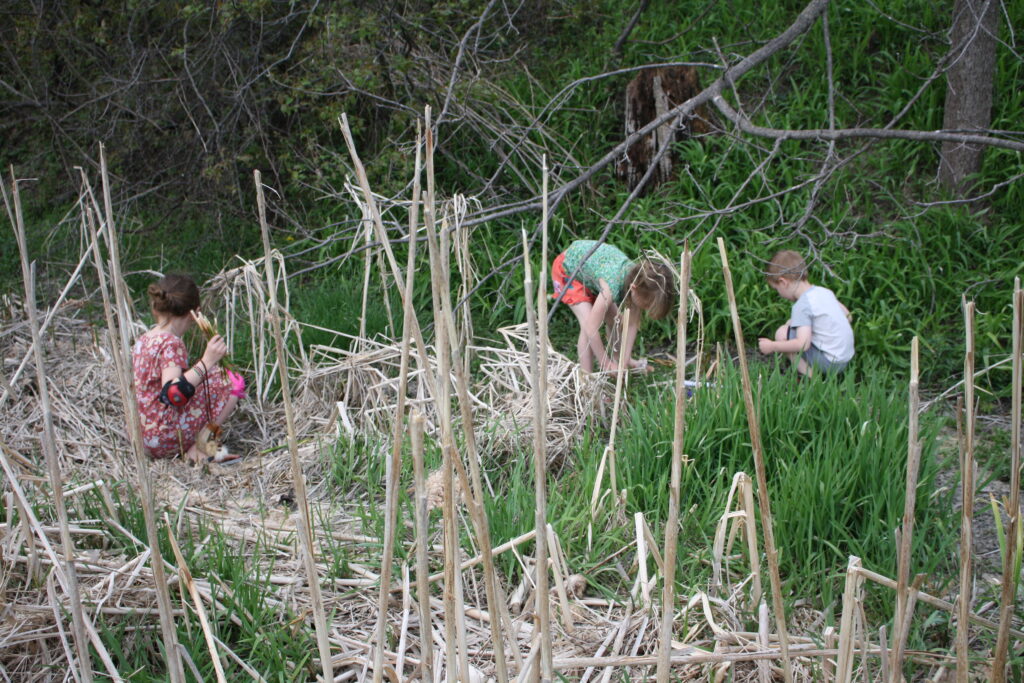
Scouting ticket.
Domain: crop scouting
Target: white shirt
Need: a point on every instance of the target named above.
(831, 333)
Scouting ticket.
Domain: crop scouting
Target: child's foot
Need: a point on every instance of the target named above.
(223, 457)
(194, 456)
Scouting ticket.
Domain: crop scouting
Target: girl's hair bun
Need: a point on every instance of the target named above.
(174, 295)
(156, 292)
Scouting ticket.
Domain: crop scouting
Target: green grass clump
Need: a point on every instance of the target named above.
(835, 455)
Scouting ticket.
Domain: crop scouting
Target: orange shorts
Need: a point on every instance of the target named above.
(575, 291)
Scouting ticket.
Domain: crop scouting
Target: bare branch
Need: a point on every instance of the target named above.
(746, 126)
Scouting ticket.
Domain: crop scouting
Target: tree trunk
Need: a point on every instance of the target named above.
(969, 84)
(649, 96)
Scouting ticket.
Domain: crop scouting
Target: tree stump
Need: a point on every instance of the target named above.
(648, 96)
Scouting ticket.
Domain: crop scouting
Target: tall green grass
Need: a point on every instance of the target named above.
(835, 454)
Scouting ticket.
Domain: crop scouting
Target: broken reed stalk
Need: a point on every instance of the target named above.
(560, 578)
(494, 595)
(750, 526)
(762, 478)
(368, 221)
(936, 602)
(32, 529)
(763, 667)
(641, 560)
(541, 408)
(913, 592)
(298, 477)
(472, 486)
(456, 658)
(422, 543)
(542, 305)
(672, 523)
(909, 504)
(185, 575)
(543, 606)
(120, 320)
(828, 666)
(844, 658)
(429, 378)
(394, 467)
(621, 378)
(1011, 557)
(609, 451)
(967, 500)
(50, 446)
(496, 605)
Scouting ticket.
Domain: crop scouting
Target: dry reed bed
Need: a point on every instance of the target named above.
(243, 499)
(336, 390)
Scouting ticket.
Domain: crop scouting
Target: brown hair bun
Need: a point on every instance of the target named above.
(174, 295)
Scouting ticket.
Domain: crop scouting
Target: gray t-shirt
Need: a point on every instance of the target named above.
(830, 330)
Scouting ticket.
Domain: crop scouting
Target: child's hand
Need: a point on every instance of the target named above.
(608, 365)
(216, 349)
(765, 345)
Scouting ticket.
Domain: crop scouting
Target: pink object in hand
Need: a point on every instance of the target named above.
(237, 384)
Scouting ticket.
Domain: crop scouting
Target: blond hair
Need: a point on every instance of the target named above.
(786, 264)
(651, 287)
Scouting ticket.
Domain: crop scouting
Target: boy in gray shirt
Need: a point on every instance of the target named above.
(818, 328)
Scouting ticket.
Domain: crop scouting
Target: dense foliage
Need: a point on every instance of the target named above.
(188, 99)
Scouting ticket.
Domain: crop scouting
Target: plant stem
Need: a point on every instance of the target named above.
(679, 429)
(762, 477)
(298, 476)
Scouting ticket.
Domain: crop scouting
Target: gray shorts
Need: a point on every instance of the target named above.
(817, 358)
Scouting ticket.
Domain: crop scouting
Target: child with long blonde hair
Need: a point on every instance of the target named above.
(605, 282)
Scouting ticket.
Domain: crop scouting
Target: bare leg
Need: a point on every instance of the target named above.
(229, 407)
(583, 350)
(195, 455)
(614, 338)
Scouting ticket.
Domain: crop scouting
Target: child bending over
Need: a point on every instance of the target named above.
(604, 281)
(177, 400)
(818, 328)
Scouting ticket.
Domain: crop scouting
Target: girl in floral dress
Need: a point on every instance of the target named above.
(177, 400)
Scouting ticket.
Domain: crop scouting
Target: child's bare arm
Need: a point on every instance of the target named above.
(846, 312)
(800, 343)
(216, 349)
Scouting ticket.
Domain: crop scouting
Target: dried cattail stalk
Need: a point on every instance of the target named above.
(1013, 549)
(118, 324)
(543, 605)
(298, 476)
(762, 478)
(967, 506)
(50, 445)
(672, 522)
(909, 502)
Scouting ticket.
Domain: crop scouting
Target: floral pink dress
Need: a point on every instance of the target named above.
(168, 430)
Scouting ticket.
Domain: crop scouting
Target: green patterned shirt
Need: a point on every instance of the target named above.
(606, 263)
